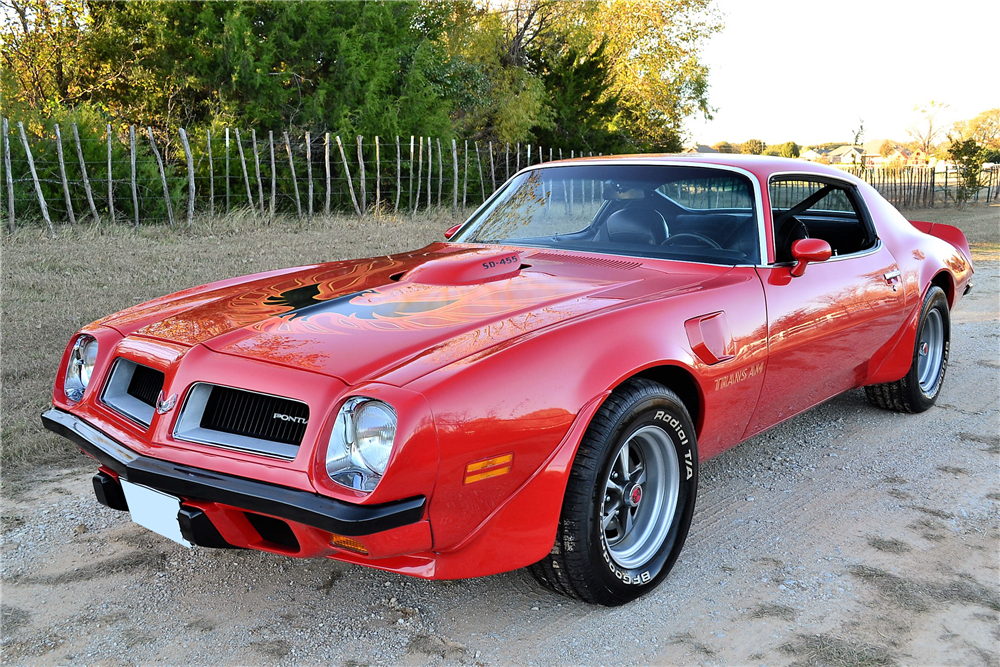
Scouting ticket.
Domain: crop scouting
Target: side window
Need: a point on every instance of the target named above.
(805, 208)
(716, 211)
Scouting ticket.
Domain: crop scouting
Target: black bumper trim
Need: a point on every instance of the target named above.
(303, 507)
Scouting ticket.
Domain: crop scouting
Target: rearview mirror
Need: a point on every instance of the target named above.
(809, 250)
(451, 232)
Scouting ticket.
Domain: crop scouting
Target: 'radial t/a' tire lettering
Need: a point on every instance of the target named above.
(629, 499)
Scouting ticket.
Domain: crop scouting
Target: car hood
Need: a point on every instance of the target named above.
(358, 319)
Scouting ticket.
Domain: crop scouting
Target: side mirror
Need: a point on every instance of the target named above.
(809, 250)
(451, 232)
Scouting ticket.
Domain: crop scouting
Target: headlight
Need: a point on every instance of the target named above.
(361, 443)
(80, 367)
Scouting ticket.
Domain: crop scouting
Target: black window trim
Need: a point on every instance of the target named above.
(854, 196)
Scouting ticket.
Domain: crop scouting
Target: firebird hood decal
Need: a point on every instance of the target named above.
(356, 320)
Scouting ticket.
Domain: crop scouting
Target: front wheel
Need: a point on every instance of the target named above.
(629, 499)
(919, 388)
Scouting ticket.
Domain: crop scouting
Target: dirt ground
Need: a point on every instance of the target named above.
(847, 536)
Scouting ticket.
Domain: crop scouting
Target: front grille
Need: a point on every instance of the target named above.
(132, 390)
(244, 420)
(146, 384)
(255, 415)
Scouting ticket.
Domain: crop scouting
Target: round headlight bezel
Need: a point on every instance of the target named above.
(80, 367)
(357, 459)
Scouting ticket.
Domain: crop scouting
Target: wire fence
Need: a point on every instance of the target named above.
(138, 176)
(90, 174)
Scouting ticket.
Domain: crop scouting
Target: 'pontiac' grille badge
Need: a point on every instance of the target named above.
(164, 404)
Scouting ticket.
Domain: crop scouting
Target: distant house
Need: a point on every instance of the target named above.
(700, 148)
(894, 154)
(846, 155)
(813, 154)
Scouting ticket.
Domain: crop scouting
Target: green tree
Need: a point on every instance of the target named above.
(754, 147)
(969, 157)
(725, 147)
(581, 102)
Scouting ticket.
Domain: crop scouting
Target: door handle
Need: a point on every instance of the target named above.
(892, 278)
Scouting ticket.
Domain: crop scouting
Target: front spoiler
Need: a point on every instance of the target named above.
(303, 507)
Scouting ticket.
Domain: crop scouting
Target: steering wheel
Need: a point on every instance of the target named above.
(701, 238)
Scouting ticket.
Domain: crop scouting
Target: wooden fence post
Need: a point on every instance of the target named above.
(9, 177)
(399, 175)
(409, 179)
(274, 174)
(34, 177)
(361, 175)
(227, 170)
(62, 174)
(326, 163)
(465, 177)
(430, 168)
(111, 192)
(420, 175)
(256, 162)
(211, 175)
(493, 173)
(479, 162)
(86, 180)
(163, 177)
(454, 173)
(246, 173)
(440, 170)
(378, 179)
(190, 167)
(291, 165)
(135, 190)
(347, 173)
(309, 173)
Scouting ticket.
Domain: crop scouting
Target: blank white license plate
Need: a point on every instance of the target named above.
(154, 510)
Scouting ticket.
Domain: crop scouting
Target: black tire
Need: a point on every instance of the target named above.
(920, 387)
(614, 563)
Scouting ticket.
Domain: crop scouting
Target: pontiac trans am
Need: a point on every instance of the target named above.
(536, 392)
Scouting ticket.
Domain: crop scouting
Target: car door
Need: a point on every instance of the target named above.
(824, 325)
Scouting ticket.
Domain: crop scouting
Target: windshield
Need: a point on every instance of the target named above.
(688, 213)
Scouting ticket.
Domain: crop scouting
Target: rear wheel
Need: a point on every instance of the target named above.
(629, 499)
(920, 387)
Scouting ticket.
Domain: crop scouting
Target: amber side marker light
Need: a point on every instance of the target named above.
(486, 468)
(347, 543)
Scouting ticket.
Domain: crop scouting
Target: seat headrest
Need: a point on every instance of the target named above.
(636, 225)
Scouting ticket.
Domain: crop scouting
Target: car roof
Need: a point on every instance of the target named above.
(762, 166)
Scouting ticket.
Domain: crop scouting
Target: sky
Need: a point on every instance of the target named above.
(807, 71)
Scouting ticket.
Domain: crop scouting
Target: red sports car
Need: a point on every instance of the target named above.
(538, 391)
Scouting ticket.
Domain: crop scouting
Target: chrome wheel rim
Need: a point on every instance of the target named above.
(930, 351)
(640, 497)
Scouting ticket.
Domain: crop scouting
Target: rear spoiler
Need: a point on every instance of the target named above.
(952, 235)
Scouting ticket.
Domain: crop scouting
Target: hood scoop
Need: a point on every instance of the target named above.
(466, 268)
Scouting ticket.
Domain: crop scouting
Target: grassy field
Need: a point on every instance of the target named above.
(52, 287)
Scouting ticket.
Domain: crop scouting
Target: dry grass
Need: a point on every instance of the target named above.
(837, 652)
(52, 287)
(892, 546)
(771, 610)
(920, 596)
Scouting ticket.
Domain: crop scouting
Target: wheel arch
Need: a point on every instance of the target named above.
(944, 280)
(682, 382)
